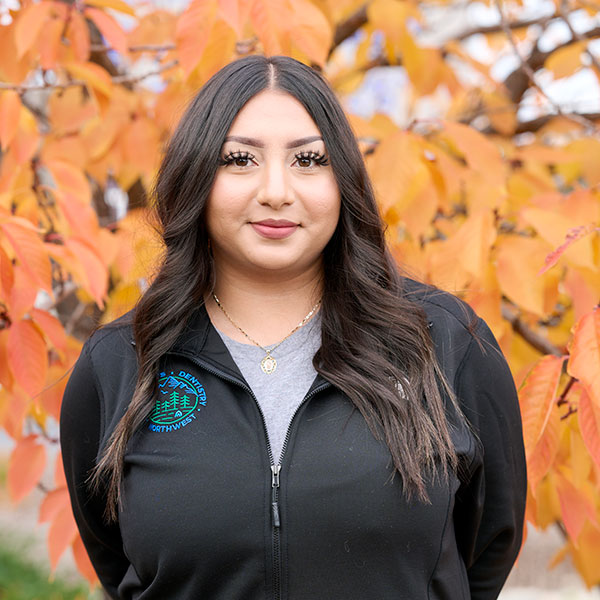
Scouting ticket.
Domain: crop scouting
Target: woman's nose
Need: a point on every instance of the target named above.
(275, 187)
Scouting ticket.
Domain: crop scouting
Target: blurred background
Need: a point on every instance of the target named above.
(479, 123)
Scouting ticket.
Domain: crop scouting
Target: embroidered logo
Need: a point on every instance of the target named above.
(180, 397)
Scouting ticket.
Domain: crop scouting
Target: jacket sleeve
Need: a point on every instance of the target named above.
(80, 431)
(490, 505)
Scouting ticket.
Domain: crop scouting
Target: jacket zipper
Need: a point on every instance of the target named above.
(275, 468)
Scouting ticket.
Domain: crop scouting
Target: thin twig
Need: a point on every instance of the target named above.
(497, 28)
(526, 68)
(21, 89)
(137, 78)
(534, 339)
(139, 48)
(562, 399)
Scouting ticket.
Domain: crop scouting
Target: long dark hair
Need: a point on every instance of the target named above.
(376, 346)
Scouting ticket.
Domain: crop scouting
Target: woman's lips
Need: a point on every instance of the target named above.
(274, 230)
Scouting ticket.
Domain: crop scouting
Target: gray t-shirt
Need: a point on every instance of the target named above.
(279, 393)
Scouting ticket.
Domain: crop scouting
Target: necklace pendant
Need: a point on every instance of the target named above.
(268, 364)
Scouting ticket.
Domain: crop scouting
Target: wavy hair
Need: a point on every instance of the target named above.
(376, 347)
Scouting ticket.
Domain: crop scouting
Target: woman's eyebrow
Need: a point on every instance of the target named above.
(247, 141)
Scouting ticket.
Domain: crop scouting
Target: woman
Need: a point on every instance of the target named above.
(283, 415)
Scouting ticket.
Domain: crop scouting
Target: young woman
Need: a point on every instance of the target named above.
(283, 415)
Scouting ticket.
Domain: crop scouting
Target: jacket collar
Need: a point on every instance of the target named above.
(201, 341)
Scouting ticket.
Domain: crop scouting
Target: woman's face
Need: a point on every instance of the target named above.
(275, 202)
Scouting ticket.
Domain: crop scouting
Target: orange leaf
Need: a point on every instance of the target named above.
(51, 327)
(30, 251)
(70, 180)
(542, 456)
(95, 272)
(79, 36)
(97, 77)
(10, 109)
(7, 277)
(109, 28)
(192, 32)
(6, 376)
(68, 111)
(27, 139)
(22, 294)
(27, 356)
(518, 263)
(589, 424)
(25, 467)
(584, 361)
(270, 19)
(30, 23)
(235, 13)
(82, 560)
(53, 502)
(573, 235)
(59, 471)
(61, 534)
(537, 397)
(575, 506)
(49, 42)
(310, 30)
(13, 419)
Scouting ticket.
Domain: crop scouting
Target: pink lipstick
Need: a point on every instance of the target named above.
(274, 229)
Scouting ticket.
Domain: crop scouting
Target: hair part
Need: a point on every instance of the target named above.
(376, 347)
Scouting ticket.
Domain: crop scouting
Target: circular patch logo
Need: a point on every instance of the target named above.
(180, 397)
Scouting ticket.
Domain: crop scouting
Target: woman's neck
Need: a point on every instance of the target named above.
(267, 310)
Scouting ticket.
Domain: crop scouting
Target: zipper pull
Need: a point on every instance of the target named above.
(275, 485)
(275, 475)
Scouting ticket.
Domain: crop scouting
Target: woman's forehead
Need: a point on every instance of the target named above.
(273, 115)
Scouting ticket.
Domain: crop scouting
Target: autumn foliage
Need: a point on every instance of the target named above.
(501, 210)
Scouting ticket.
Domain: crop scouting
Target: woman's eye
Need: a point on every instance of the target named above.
(237, 159)
(308, 160)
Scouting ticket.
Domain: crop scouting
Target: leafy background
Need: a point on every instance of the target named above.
(482, 139)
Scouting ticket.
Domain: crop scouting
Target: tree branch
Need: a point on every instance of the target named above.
(498, 28)
(527, 69)
(534, 339)
(348, 27)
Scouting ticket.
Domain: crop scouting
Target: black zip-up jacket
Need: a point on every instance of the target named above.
(207, 515)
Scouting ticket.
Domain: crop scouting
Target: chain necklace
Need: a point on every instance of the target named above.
(268, 364)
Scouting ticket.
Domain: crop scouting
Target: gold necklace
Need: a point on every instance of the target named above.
(268, 364)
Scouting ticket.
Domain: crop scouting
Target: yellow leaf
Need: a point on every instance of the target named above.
(117, 5)
(518, 262)
(556, 229)
(192, 32)
(93, 74)
(501, 112)
(70, 180)
(10, 108)
(310, 30)
(29, 24)
(566, 60)
(70, 108)
(474, 240)
(270, 20)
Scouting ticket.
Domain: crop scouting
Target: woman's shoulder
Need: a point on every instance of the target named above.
(441, 307)
(456, 330)
(113, 338)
